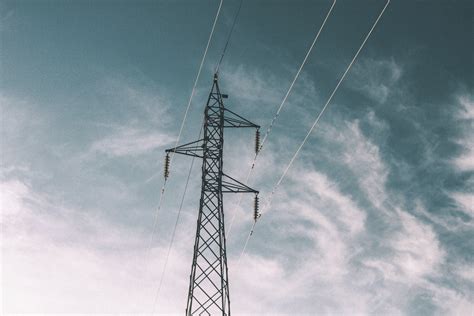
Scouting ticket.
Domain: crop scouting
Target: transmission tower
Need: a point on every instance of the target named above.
(209, 282)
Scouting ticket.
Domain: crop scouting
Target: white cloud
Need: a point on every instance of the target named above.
(465, 201)
(450, 223)
(465, 161)
(334, 263)
(362, 157)
(417, 250)
(129, 141)
(466, 111)
(466, 272)
(253, 86)
(12, 192)
(20, 126)
(451, 301)
(310, 280)
(56, 259)
(315, 247)
(376, 78)
(329, 223)
(137, 102)
(325, 193)
(143, 129)
(465, 114)
(263, 92)
(411, 258)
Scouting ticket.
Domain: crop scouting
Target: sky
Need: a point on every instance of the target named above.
(375, 216)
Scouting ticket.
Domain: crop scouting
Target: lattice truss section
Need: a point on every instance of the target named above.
(209, 285)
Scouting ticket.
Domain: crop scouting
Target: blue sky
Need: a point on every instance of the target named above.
(375, 216)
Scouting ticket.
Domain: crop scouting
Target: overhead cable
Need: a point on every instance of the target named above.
(282, 104)
(193, 91)
(163, 272)
(184, 119)
(228, 37)
(269, 199)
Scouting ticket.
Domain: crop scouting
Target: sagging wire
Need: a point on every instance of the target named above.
(170, 246)
(167, 162)
(228, 38)
(282, 104)
(170, 159)
(186, 113)
(270, 197)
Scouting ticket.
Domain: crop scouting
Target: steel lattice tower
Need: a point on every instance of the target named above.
(209, 283)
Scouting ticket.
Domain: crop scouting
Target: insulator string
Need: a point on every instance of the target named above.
(256, 213)
(167, 166)
(170, 246)
(257, 140)
(282, 104)
(193, 91)
(269, 199)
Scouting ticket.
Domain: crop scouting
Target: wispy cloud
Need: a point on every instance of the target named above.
(20, 125)
(376, 77)
(374, 217)
(130, 142)
(465, 114)
(332, 226)
(465, 201)
(254, 86)
(263, 91)
(142, 130)
(319, 213)
(361, 155)
(464, 162)
(416, 252)
(319, 216)
(82, 257)
(466, 111)
(327, 241)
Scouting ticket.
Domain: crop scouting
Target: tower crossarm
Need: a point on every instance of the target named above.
(209, 282)
(194, 149)
(231, 185)
(232, 119)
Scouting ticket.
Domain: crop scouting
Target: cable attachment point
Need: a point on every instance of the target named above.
(256, 213)
(257, 141)
(167, 166)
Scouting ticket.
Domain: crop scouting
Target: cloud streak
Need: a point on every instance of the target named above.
(130, 142)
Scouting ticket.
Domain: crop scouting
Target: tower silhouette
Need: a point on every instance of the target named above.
(209, 280)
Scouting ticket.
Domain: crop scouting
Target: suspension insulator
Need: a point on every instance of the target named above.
(167, 166)
(256, 214)
(257, 141)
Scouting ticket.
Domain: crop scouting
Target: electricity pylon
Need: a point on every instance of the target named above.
(209, 283)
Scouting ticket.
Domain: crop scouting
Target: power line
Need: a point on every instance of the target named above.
(228, 37)
(269, 199)
(193, 158)
(283, 102)
(296, 77)
(209, 286)
(174, 229)
(185, 115)
(162, 191)
(189, 105)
